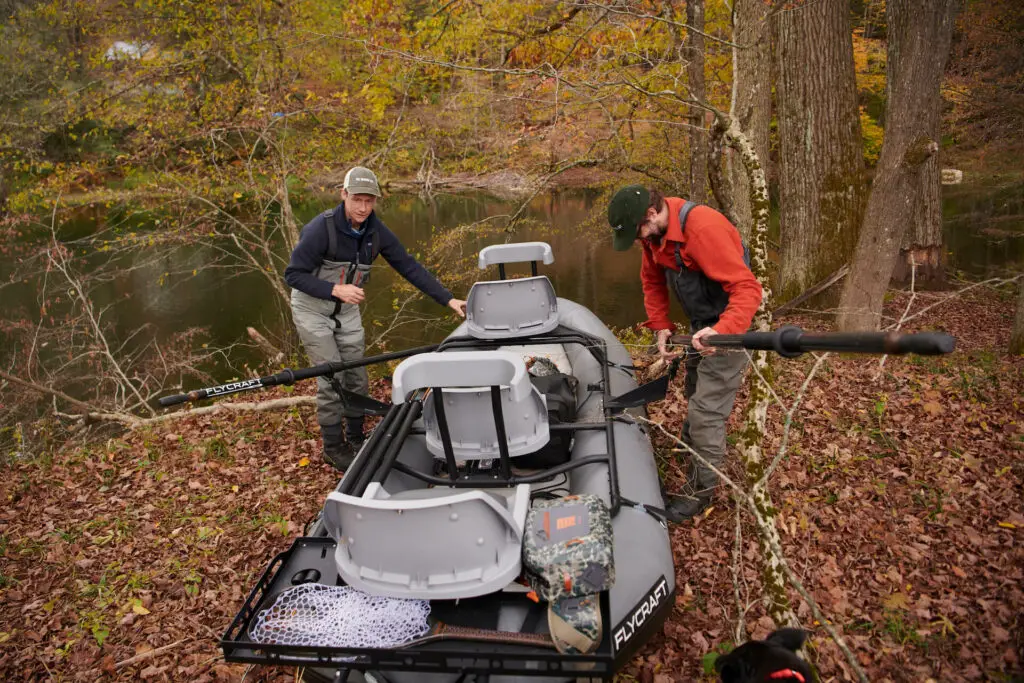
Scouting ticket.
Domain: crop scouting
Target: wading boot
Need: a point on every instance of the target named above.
(337, 450)
(354, 433)
(681, 507)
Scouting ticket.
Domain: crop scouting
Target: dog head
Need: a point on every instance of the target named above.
(772, 660)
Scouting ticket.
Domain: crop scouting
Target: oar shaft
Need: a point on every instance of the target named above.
(792, 341)
(290, 376)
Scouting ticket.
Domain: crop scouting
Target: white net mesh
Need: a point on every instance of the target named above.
(340, 616)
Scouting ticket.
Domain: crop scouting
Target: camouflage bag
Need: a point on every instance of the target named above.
(567, 554)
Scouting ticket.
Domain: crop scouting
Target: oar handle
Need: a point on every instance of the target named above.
(790, 341)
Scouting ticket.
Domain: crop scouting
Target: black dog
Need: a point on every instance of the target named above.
(772, 660)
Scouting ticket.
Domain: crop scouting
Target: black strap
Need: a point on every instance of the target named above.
(533, 617)
(659, 514)
(332, 234)
(374, 245)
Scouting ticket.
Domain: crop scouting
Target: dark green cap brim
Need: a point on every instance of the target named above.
(626, 211)
(623, 239)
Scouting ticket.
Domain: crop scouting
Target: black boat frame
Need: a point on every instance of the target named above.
(377, 459)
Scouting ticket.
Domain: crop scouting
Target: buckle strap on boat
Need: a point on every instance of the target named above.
(658, 513)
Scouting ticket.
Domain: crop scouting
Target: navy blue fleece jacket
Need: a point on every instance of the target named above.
(355, 247)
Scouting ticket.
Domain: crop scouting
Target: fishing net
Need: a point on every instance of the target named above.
(340, 616)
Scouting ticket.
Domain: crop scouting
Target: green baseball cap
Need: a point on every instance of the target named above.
(626, 212)
(360, 180)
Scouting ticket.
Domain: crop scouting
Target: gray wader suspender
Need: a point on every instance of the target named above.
(351, 274)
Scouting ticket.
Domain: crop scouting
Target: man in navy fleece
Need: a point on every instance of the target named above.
(327, 272)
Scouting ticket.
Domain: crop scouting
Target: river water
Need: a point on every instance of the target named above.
(984, 232)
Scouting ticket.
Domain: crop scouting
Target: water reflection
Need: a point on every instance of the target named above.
(188, 287)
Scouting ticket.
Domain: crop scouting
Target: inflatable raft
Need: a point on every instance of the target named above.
(501, 463)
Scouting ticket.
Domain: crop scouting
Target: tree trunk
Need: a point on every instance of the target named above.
(695, 74)
(919, 38)
(922, 243)
(751, 99)
(755, 416)
(822, 169)
(1017, 335)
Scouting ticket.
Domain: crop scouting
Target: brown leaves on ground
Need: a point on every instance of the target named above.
(900, 509)
(128, 560)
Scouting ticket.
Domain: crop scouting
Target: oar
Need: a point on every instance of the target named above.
(292, 376)
(367, 405)
(791, 341)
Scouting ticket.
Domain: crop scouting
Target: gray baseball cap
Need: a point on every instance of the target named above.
(361, 180)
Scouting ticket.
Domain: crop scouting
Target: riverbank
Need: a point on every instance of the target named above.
(900, 510)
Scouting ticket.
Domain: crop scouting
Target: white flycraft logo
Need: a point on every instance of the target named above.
(234, 386)
(628, 628)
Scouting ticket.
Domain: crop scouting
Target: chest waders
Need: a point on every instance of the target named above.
(332, 330)
(711, 381)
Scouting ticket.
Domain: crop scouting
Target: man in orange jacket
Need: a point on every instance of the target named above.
(697, 253)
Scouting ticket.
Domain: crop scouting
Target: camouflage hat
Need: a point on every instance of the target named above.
(575, 624)
(626, 211)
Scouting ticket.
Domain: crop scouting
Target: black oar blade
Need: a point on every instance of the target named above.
(650, 392)
(365, 404)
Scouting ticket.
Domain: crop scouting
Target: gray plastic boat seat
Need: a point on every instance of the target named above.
(518, 252)
(464, 379)
(442, 547)
(503, 309)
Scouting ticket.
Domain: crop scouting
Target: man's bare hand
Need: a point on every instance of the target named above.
(349, 294)
(458, 305)
(663, 351)
(698, 343)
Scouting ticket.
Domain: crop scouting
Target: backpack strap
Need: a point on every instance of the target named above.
(331, 226)
(374, 245)
(684, 213)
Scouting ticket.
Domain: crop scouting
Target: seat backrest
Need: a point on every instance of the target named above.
(505, 309)
(464, 379)
(438, 546)
(518, 252)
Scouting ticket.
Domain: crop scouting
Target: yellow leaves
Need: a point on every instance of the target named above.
(237, 196)
(1007, 525)
(304, 462)
(945, 624)
(897, 601)
(234, 488)
(6, 635)
(137, 608)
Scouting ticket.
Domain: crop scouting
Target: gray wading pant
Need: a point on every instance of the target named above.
(329, 337)
(710, 389)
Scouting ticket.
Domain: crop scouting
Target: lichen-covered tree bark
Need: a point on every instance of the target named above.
(918, 46)
(822, 169)
(755, 415)
(751, 99)
(695, 74)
